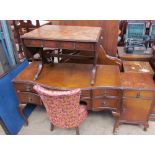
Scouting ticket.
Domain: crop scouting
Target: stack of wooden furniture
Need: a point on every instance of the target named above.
(129, 96)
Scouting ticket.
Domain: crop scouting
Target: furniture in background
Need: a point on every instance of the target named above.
(138, 67)
(152, 33)
(135, 30)
(63, 108)
(109, 33)
(21, 27)
(103, 59)
(135, 38)
(144, 55)
(64, 37)
(128, 96)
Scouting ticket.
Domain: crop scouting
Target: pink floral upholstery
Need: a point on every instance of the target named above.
(63, 107)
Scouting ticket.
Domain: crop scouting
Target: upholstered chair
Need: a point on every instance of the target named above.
(63, 108)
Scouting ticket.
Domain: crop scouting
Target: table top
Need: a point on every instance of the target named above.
(136, 55)
(71, 75)
(137, 66)
(65, 33)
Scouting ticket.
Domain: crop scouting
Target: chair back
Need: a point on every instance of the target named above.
(135, 30)
(25, 26)
(61, 106)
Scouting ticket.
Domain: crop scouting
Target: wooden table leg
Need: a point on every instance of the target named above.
(40, 67)
(93, 75)
(116, 125)
(94, 65)
(20, 108)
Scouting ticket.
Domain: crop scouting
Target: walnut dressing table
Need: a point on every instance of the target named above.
(103, 95)
(129, 96)
(64, 37)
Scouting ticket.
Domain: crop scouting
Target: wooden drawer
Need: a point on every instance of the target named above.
(85, 93)
(59, 44)
(105, 104)
(105, 92)
(51, 44)
(33, 43)
(26, 97)
(67, 45)
(24, 87)
(138, 94)
(85, 46)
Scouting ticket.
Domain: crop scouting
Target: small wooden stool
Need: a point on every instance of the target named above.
(138, 66)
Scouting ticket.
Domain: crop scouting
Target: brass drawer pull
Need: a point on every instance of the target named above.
(28, 88)
(104, 103)
(138, 95)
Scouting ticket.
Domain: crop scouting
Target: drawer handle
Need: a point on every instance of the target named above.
(30, 99)
(138, 95)
(104, 103)
(27, 88)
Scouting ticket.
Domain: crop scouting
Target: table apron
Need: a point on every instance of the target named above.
(71, 45)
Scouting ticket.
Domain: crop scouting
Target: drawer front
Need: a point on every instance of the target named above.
(59, 44)
(85, 46)
(33, 43)
(86, 93)
(51, 44)
(105, 104)
(24, 87)
(138, 94)
(26, 97)
(67, 45)
(105, 92)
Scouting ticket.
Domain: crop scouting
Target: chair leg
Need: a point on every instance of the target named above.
(52, 127)
(77, 131)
